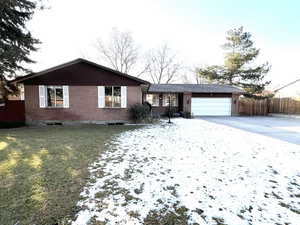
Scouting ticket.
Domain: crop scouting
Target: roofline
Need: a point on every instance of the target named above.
(222, 92)
(295, 81)
(33, 75)
(195, 84)
(238, 91)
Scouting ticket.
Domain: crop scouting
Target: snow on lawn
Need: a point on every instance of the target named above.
(221, 175)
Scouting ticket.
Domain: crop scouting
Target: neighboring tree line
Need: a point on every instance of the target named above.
(161, 65)
(121, 52)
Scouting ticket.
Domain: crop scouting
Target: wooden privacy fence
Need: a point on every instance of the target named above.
(253, 107)
(262, 107)
(285, 105)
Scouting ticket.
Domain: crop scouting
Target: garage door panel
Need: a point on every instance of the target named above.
(212, 100)
(211, 106)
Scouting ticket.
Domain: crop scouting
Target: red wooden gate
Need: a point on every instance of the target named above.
(12, 111)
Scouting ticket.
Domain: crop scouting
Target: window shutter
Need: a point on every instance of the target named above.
(101, 97)
(22, 92)
(66, 96)
(123, 97)
(42, 96)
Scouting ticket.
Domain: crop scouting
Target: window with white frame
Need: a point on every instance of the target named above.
(113, 96)
(55, 96)
(173, 99)
(153, 99)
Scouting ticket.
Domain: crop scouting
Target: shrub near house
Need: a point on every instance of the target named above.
(140, 112)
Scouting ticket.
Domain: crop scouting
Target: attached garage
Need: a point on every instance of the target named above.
(199, 99)
(201, 106)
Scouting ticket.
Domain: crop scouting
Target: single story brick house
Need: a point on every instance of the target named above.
(83, 91)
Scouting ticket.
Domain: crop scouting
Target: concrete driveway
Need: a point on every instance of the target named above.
(285, 129)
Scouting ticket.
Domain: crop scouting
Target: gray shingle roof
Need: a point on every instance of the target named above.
(195, 88)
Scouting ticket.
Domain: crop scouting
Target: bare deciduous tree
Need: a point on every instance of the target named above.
(120, 52)
(163, 66)
(192, 76)
(197, 77)
(186, 79)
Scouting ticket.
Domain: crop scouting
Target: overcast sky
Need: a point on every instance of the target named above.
(194, 28)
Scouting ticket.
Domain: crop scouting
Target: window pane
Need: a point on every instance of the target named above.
(153, 99)
(149, 98)
(117, 97)
(165, 100)
(55, 97)
(108, 97)
(50, 97)
(59, 97)
(173, 99)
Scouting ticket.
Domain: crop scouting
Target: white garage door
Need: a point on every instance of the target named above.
(211, 106)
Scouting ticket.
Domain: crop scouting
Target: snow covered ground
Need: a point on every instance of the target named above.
(218, 174)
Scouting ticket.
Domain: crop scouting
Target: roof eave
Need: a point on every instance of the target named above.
(198, 92)
(33, 75)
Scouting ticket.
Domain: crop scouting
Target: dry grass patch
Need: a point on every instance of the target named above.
(43, 170)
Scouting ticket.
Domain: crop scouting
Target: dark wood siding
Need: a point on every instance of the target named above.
(81, 74)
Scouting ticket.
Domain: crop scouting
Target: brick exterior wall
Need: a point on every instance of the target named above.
(83, 106)
(187, 99)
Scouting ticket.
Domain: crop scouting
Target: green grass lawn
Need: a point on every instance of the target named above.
(43, 170)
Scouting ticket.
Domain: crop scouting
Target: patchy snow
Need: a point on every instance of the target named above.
(215, 171)
(294, 129)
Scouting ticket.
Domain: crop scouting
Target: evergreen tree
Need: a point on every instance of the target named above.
(239, 68)
(16, 42)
